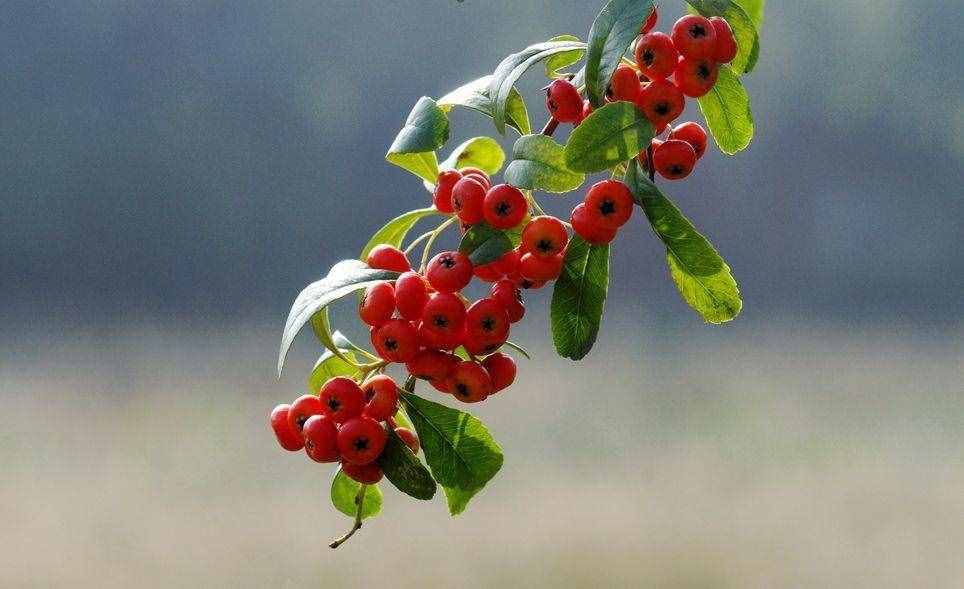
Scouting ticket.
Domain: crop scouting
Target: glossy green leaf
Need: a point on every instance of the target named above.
(404, 470)
(611, 135)
(560, 61)
(424, 165)
(579, 298)
(726, 109)
(330, 365)
(425, 130)
(393, 233)
(458, 448)
(484, 153)
(742, 25)
(483, 244)
(615, 28)
(344, 491)
(475, 95)
(754, 9)
(539, 163)
(521, 350)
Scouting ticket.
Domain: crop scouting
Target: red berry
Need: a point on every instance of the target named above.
(470, 382)
(501, 369)
(674, 159)
(486, 322)
(643, 157)
(539, 268)
(504, 206)
(586, 111)
(409, 437)
(694, 36)
(396, 341)
(691, 133)
(366, 474)
(564, 102)
(612, 201)
(661, 102)
(288, 437)
(508, 263)
(544, 236)
(587, 226)
(725, 49)
(624, 85)
(304, 407)
(361, 440)
(438, 340)
(449, 271)
(478, 174)
(377, 304)
(386, 257)
(442, 197)
(431, 365)
(342, 399)
(468, 197)
(650, 21)
(321, 439)
(381, 397)
(695, 77)
(443, 320)
(656, 56)
(506, 293)
(487, 272)
(411, 294)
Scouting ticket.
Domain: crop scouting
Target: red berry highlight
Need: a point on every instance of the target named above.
(321, 439)
(396, 341)
(674, 159)
(504, 206)
(564, 102)
(442, 196)
(544, 236)
(289, 437)
(501, 369)
(381, 397)
(304, 407)
(587, 226)
(361, 440)
(470, 382)
(612, 202)
(695, 76)
(468, 197)
(656, 55)
(661, 102)
(387, 257)
(725, 49)
(377, 304)
(411, 294)
(449, 272)
(692, 133)
(694, 36)
(341, 399)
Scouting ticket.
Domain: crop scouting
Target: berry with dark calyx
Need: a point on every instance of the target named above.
(396, 341)
(694, 36)
(449, 271)
(366, 474)
(540, 268)
(486, 322)
(321, 439)
(661, 102)
(725, 49)
(438, 340)
(504, 206)
(695, 77)
(643, 156)
(674, 159)
(341, 399)
(387, 257)
(470, 382)
(656, 55)
(377, 304)
(409, 437)
(587, 226)
(624, 85)
(381, 397)
(692, 133)
(442, 196)
(361, 440)
(304, 407)
(564, 102)
(611, 201)
(411, 294)
(501, 369)
(544, 236)
(478, 174)
(529, 284)
(468, 197)
(288, 436)
(650, 21)
(505, 292)
(444, 316)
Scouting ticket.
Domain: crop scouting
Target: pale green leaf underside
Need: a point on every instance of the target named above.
(475, 95)
(726, 109)
(344, 490)
(424, 165)
(613, 30)
(394, 232)
(484, 153)
(539, 163)
(560, 61)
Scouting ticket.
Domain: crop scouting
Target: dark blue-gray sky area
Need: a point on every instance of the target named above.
(201, 161)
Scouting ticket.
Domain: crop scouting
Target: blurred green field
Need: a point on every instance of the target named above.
(782, 459)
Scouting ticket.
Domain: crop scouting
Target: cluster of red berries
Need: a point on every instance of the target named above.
(346, 422)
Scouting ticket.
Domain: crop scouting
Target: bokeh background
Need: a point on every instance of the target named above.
(172, 173)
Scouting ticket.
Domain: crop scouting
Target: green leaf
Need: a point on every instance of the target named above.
(426, 130)
(404, 470)
(483, 244)
(754, 9)
(475, 95)
(579, 297)
(330, 365)
(512, 68)
(539, 163)
(424, 165)
(560, 61)
(484, 153)
(518, 348)
(459, 449)
(615, 28)
(344, 490)
(611, 135)
(702, 277)
(394, 232)
(745, 32)
(726, 109)
(344, 278)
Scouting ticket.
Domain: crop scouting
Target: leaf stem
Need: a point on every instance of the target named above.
(649, 162)
(359, 502)
(550, 128)
(532, 201)
(431, 241)
(417, 241)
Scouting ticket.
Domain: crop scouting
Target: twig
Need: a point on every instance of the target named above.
(359, 502)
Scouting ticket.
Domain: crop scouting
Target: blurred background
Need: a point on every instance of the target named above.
(173, 173)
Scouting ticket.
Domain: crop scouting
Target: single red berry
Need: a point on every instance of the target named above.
(587, 226)
(396, 341)
(386, 257)
(544, 236)
(643, 156)
(539, 268)
(470, 382)
(468, 197)
(304, 407)
(504, 206)
(411, 294)
(674, 159)
(612, 201)
(624, 85)
(487, 272)
(361, 440)
(486, 322)
(438, 340)
(366, 474)
(586, 111)
(478, 174)
(409, 437)
(321, 439)
(341, 399)
(656, 56)
(650, 21)
(508, 263)
(443, 320)
(564, 102)
(725, 49)
(377, 304)
(692, 133)
(661, 102)
(449, 271)
(501, 369)
(695, 77)
(442, 197)
(288, 437)
(381, 397)
(505, 292)
(431, 365)
(694, 36)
